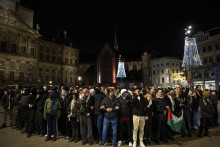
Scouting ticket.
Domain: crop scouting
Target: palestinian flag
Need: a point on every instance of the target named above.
(174, 122)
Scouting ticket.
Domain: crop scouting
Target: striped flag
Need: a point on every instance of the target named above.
(175, 122)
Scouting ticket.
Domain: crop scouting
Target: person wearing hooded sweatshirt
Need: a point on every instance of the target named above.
(139, 116)
(125, 117)
(32, 111)
(110, 105)
(85, 107)
(52, 115)
(160, 116)
(64, 124)
(207, 111)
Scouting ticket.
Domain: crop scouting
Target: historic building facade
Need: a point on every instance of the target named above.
(208, 46)
(167, 72)
(26, 59)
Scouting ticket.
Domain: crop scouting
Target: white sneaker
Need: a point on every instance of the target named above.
(142, 144)
(119, 143)
(130, 144)
(134, 144)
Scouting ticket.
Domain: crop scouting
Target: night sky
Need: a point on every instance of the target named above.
(159, 26)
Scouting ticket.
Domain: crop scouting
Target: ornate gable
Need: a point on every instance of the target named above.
(10, 19)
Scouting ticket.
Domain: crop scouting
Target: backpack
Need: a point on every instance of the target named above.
(54, 108)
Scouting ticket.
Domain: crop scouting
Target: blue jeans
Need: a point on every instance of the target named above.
(98, 122)
(105, 129)
(196, 120)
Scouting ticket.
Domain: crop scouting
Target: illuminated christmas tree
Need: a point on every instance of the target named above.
(121, 70)
(191, 56)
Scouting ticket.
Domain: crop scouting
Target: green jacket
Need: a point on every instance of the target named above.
(47, 108)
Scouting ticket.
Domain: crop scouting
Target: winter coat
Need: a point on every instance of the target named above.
(159, 108)
(108, 104)
(47, 108)
(5, 101)
(206, 106)
(126, 107)
(85, 107)
(74, 110)
(138, 105)
(98, 97)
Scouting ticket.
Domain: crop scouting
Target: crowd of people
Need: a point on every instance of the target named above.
(102, 114)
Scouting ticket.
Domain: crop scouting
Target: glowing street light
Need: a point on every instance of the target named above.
(50, 82)
(79, 78)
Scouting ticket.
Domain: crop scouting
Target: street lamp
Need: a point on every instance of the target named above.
(79, 79)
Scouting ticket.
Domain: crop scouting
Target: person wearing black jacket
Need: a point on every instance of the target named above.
(32, 111)
(160, 112)
(16, 93)
(125, 115)
(98, 114)
(73, 117)
(64, 124)
(7, 106)
(25, 108)
(138, 111)
(110, 105)
(207, 111)
(39, 112)
(85, 116)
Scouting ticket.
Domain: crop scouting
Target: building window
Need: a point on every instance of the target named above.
(204, 49)
(217, 46)
(59, 59)
(65, 79)
(205, 60)
(47, 50)
(47, 70)
(158, 72)
(14, 38)
(154, 72)
(22, 66)
(210, 59)
(153, 65)
(172, 64)
(162, 80)
(41, 48)
(4, 35)
(173, 70)
(161, 64)
(21, 76)
(11, 76)
(30, 67)
(40, 69)
(54, 51)
(168, 80)
(157, 65)
(47, 79)
(23, 49)
(158, 80)
(1, 75)
(177, 70)
(218, 58)
(32, 42)
(53, 59)
(167, 71)
(41, 56)
(47, 57)
(167, 64)
(3, 45)
(210, 48)
(162, 71)
(24, 40)
(2, 63)
(66, 60)
(71, 61)
(14, 48)
(12, 64)
(32, 51)
(71, 80)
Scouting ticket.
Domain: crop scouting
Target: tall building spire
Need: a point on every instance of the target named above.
(115, 43)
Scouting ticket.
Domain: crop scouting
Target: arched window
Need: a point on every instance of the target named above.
(205, 60)
(218, 58)
(197, 75)
(210, 59)
(209, 74)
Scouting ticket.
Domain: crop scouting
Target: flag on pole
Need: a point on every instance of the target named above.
(174, 122)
